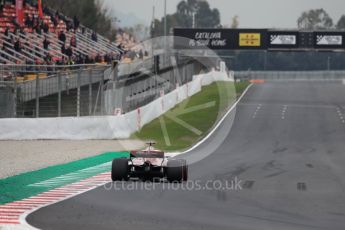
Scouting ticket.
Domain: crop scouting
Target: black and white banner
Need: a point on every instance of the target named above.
(331, 40)
(283, 39)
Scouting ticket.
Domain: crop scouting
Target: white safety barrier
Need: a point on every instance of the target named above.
(105, 127)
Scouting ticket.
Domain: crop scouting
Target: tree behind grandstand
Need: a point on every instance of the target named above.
(315, 20)
(91, 13)
(341, 23)
(204, 17)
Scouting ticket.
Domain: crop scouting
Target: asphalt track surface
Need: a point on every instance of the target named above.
(286, 145)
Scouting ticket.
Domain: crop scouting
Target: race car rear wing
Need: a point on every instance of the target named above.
(147, 154)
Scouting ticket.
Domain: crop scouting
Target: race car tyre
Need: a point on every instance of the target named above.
(174, 171)
(119, 169)
(185, 170)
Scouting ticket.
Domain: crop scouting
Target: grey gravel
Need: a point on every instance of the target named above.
(23, 156)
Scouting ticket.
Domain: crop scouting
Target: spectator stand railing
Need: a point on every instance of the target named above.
(30, 55)
(39, 51)
(102, 40)
(10, 47)
(96, 46)
(33, 53)
(53, 44)
(53, 37)
(53, 91)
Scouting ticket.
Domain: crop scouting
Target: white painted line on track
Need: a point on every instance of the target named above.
(340, 115)
(285, 107)
(256, 111)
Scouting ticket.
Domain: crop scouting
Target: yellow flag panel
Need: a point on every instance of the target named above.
(250, 39)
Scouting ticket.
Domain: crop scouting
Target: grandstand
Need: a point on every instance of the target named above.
(52, 39)
(51, 66)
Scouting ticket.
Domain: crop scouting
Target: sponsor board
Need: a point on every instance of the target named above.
(250, 39)
(219, 39)
(329, 40)
(202, 39)
(283, 39)
(257, 39)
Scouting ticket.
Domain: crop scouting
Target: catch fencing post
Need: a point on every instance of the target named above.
(2, 78)
(101, 93)
(78, 93)
(90, 92)
(37, 96)
(59, 94)
(115, 78)
(15, 92)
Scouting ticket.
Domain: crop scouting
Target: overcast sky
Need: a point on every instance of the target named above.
(252, 13)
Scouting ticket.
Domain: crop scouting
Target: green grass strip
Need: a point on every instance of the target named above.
(191, 120)
(17, 187)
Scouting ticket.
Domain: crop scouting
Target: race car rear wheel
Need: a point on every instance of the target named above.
(185, 170)
(119, 169)
(174, 171)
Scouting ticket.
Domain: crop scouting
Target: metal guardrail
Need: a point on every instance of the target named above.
(291, 75)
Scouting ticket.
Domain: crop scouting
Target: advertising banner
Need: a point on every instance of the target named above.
(220, 39)
(250, 40)
(283, 39)
(257, 39)
(202, 39)
(329, 40)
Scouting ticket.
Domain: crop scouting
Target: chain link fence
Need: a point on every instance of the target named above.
(87, 90)
(52, 91)
(6, 99)
(130, 94)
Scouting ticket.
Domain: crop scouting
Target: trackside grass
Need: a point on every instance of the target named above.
(189, 121)
(18, 187)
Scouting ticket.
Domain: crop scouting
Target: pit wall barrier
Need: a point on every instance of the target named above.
(105, 127)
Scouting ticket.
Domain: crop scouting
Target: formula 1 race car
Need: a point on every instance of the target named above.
(149, 164)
